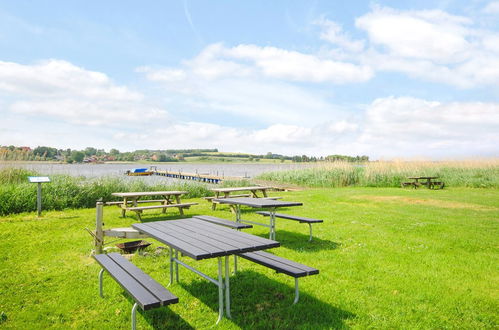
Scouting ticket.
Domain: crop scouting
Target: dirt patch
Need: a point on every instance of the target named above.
(428, 202)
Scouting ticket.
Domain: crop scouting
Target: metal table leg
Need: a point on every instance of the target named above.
(171, 265)
(220, 291)
(297, 292)
(176, 266)
(272, 223)
(227, 288)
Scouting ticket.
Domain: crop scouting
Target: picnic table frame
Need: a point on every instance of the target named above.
(169, 198)
(200, 240)
(428, 181)
(226, 193)
(263, 203)
(253, 189)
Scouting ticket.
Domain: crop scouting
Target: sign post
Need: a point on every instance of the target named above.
(39, 180)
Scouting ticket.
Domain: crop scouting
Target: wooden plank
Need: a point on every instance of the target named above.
(308, 269)
(279, 264)
(161, 293)
(214, 247)
(233, 189)
(144, 298)
(230, 245)
(138, 208)
(257, 202)
(223, 222)
(188, 249)
(291, 217)
(149, 193)
(262, 243)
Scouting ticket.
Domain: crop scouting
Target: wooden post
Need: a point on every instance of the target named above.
(99, 234)
(39, 200)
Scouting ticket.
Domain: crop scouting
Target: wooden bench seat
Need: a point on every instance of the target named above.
(139, 201)
(223, 222)
(146, 292)
(281, 265)
(308, 221)
(139, 209)
(210, 198)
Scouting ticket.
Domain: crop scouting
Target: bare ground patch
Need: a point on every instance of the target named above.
(427, 202)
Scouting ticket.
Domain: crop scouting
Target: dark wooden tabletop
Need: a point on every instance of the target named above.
(234, 189)
(423, 177)
(148, 193)
(199, 239)
(256, 202)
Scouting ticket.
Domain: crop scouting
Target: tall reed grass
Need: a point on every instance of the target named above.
(17, 195)
(471, 173)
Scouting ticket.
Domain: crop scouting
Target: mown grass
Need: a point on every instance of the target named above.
(388, 258)
(64, 191)
(475, 174)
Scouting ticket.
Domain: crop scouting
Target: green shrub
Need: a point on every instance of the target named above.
(64, 191)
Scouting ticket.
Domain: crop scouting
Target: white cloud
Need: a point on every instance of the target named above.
(492, 8)
(295, 66)
(410, 126)
(430, 45)
(58, 78)
(333, 32)
(62, 91)
(431, 35)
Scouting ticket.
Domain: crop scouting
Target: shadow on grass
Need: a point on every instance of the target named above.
(258, 302)
(159, 318)
(299, 241)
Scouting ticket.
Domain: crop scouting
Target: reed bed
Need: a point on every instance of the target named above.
(467, 173)
(64, 191)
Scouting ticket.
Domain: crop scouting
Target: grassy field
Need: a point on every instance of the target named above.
(388, 258)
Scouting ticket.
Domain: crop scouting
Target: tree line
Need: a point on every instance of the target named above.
(92, 155)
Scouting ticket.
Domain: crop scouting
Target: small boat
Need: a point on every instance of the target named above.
(139, 172)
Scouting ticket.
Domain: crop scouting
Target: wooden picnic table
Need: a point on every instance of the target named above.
(169, 199)
(199, 240)
(264, 203)
(429, 181)
(226, 193)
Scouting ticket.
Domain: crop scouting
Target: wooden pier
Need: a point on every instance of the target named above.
(208, 178)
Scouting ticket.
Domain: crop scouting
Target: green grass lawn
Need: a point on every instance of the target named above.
(388, 258)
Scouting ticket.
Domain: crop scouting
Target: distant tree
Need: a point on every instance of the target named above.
(114, 152)
(77, 156)
(89, 151)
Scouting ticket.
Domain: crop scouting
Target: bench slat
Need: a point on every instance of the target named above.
(138, 208)
(250, 239)
(208, 244)
(232, 196)
(208, 236)
(163, 295)
(291, 217)
(279, 264)
(144, 298)
(177, 244)
(223, 222)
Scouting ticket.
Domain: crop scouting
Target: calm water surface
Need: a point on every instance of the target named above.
(99, 170)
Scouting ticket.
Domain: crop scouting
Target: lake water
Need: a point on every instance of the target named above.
(249, 170)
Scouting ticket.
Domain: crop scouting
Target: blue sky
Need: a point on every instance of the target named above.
(386, 79)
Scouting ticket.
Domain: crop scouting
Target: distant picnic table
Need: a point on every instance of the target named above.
(131, 200)
(226, 193)
(429, 181)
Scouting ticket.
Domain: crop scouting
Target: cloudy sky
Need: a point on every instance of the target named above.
(385, 79)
